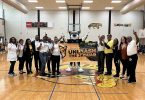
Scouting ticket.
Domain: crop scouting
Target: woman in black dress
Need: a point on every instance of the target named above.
(28, 55)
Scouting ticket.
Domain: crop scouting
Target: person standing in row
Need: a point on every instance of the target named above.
(28, 55)
(124, 57)
(20, 56)
(132, 54)
(56, 53)
(12, 55)
(43, 54)
(101, 55)
(50, 43)
(116, 53)
(35, 45)
(109, 54)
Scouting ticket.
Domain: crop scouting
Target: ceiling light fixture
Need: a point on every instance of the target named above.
(88, 1)
(60, 1)
(39, 7)
(33, 1)
(109, 8)
(62, 7)
(85, 8)
(116, 1)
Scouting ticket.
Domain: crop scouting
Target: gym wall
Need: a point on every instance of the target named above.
(16, 23)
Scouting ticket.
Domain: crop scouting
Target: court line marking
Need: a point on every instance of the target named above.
(76, 92)
(53, 90)
(94, 87)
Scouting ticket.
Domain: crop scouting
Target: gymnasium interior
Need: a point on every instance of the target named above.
(24, 19)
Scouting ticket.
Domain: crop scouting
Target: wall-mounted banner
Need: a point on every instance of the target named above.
(122, 25)
(36, 24)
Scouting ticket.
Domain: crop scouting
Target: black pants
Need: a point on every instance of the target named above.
(117, 64)
(55, 64)
(29, 64)
(49, 63)
(101, 57)
(125, 63)
(21, 63)
(132, 67)
(37, 60)
(11, 69)
(109, 63)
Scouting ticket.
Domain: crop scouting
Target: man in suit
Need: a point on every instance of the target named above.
(35, 45)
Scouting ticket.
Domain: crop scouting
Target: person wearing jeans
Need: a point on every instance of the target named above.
(49, 56)
(43, 55)
(12, 55)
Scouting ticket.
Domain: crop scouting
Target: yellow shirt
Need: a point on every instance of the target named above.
(110, 44)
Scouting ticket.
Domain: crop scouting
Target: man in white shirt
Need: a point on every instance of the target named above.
(43, 55)
(132, 54)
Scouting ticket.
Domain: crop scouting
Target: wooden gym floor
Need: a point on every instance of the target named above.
(23, 87)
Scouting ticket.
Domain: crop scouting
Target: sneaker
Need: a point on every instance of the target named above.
(58, 75)
(80, 70)
(24, 72)
(21, 72)
(52, 76)
(14, 74)
(116, 75)
(107, 73)
(68, 69)
(49, 72)
(10, 74)
(122, 76)
(31, 72)
(125, 78)
(131, 81)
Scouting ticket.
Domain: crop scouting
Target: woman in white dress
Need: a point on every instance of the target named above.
(12, 55)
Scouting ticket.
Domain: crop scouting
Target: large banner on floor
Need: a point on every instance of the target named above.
(81, 52)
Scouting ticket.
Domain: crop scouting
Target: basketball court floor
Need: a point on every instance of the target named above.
(70, 86)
